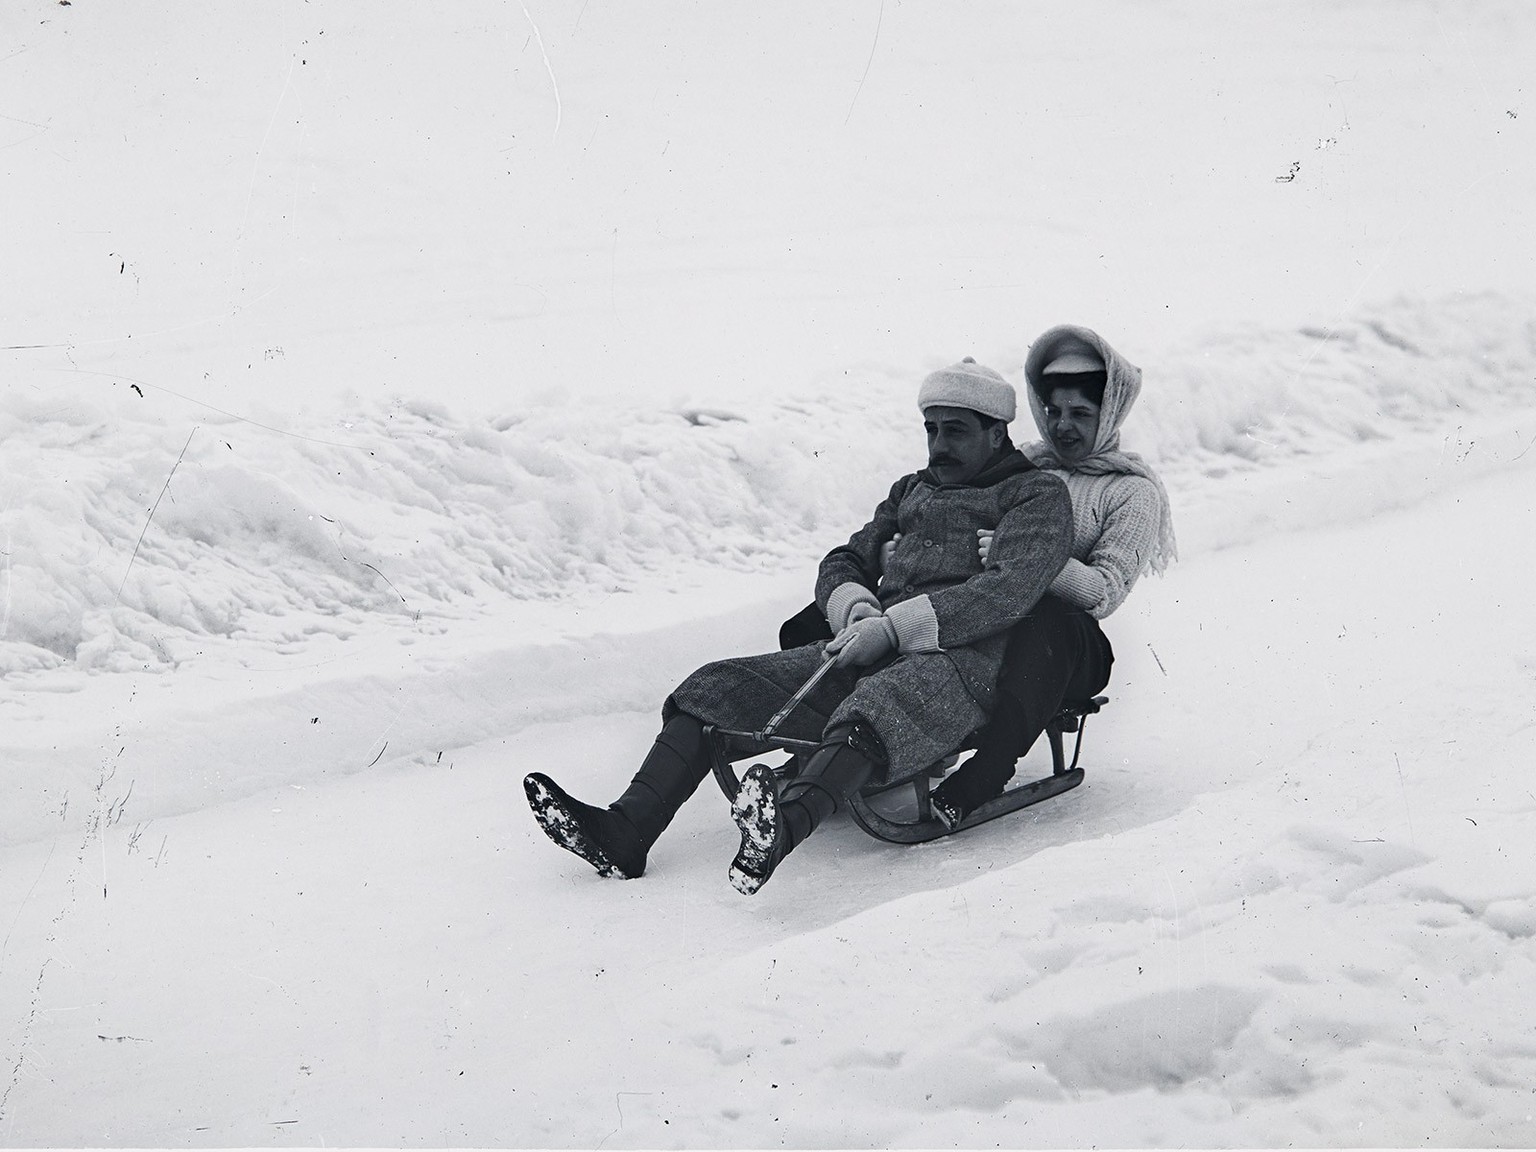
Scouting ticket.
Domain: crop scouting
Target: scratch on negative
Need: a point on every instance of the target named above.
(618, 1103)
(250, 192)
(5, 610)
(151, 516)
(879, 19)
(26, 1032)
(6, 943)
(553, 83)
(386, 580)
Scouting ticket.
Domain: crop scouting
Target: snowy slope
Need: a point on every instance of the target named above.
(287, 891)
(396, 399)
(1292, 903)
(342, 577)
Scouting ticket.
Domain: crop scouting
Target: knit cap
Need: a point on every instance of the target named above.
(969, 385)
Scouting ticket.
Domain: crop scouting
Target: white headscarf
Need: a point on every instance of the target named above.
(1122, 386)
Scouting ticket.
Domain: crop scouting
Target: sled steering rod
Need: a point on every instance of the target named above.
(804, 691)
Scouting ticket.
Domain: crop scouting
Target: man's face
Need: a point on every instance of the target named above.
(958, 446)
(1072, 422)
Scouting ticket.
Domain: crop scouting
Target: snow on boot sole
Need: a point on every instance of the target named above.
(556, 813)
(756, 812)
(945, 811)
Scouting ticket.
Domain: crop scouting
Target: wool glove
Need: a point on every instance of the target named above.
(844, 597)
(863, 642)
(862, 610)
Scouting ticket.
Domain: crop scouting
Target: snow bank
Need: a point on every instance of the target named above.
(137, 537)
(1291, 905)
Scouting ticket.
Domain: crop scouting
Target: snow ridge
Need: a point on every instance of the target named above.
(408, 513)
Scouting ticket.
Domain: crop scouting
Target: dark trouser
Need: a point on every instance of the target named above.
(805, 627)
(1056, 653)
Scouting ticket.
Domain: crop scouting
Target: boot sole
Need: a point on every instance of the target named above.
(756, 812)
(561, 826)
(945, 813)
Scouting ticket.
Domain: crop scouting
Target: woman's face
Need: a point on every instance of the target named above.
(1072, 423)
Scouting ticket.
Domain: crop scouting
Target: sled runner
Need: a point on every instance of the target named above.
(912, 822)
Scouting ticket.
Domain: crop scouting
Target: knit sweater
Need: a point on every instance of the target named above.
(1115, 520)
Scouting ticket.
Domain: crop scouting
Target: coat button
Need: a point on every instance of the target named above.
(927, 543)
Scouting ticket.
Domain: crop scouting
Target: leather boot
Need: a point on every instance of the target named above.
(984, 775)
(616, 839)
(773, 822)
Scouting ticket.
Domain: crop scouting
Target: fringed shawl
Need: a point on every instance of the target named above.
(1120, 391)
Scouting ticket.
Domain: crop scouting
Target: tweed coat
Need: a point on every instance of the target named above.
(923, 704)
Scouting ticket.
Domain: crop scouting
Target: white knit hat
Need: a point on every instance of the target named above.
(969, 385)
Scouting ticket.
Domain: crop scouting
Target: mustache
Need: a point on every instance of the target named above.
(941, 460)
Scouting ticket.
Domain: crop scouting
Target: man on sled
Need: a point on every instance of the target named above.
(915, 651)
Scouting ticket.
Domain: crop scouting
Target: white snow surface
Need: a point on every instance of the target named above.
(399, 399)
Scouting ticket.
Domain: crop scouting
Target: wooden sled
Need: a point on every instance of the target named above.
(916, 823)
